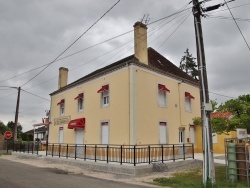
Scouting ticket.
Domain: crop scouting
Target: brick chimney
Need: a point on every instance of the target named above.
(63, 77)
(140, 42)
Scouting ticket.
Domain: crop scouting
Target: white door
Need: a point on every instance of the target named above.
(60, 140)
(163, 132)
(79, 136)
(192, 134)
(105, 133)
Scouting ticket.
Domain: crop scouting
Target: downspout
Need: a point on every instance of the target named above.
(131, 105)
(180, 102)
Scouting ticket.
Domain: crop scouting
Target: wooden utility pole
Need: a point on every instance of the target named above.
(208, 156)
(16, 116)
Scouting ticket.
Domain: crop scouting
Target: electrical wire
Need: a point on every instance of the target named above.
(72, 43)
(237, 26)
(102, 42)
(228, 18)
(36, 95)
(174, 31)
(222, 95)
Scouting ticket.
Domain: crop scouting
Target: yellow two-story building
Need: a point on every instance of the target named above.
(141, 99)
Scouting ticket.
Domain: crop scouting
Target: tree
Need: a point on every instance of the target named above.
(10, 126)
(240, 109)
(188, 65)
(3, 128)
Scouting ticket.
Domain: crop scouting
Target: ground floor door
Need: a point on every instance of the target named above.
(79, 137)
(60, 135)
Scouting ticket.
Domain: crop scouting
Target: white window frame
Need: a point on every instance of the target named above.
(101, 132)
(79, 102)
(188, 104)
(105, 99)
(160, 132)
(62, 108)
(162, 98)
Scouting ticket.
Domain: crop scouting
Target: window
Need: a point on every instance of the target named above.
(215, 138)
(105, 133)
(188, 102)
(62, 107)
(162, 97)
(79, 99)
(163, 132)
(104, 95)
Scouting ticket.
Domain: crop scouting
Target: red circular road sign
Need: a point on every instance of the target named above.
(7, 135)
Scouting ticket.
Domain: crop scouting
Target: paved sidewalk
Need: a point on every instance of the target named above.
(218, 158)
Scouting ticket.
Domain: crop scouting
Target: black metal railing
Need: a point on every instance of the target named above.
(129, 154)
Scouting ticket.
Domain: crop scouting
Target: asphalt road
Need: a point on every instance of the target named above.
(18, 175)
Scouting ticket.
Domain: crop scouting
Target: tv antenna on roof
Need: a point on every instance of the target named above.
(145, 19)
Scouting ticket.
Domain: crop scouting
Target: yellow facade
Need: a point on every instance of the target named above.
(133, 112)
(218, 147)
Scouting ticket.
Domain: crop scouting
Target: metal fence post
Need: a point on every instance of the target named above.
(162, 153)
(85, 150)
(107, 153)
(149, 154)
(47, 147)
(193, 150)
(134, 156)
(121, 155)
(173, 153)
(59, 150)
(95, 153)
(52, 150)
(184, 151)
(75, 150)
(67, 151)
(37, 148)
(32, 148)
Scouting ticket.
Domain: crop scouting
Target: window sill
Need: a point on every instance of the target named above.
(162, 106)
(105, 106)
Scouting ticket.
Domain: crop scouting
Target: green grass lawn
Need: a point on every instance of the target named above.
(193, 178)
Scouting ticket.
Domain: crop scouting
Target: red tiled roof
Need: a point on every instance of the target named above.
(220, 115)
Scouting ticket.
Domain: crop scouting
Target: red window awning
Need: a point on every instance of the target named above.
(77, 123)
(61, 102)
(103, 89)
(163, 123)
(188, 95)
(105, 123)
(163, 88)
(79, 96)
